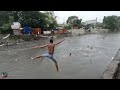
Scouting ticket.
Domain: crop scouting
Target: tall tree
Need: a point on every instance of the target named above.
(7, 26)
(31, 18)
(111, 22)
(74, 21)
(51, 19)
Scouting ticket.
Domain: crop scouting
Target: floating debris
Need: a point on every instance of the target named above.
(112, 58)
(2, 45)
(16, 59)
(32, 58)
(59, 70)
(8, 51)
(6, 36)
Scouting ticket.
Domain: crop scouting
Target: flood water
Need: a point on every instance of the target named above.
(90, 56)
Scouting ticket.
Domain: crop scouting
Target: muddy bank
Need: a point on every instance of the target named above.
(16, 40)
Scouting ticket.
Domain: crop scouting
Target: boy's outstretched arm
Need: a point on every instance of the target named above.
(59, 42)
(40, 46)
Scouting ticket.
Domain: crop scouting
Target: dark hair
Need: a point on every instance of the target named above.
(51, 40)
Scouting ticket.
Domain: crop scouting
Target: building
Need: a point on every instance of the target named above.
(90, 22)
(16, 28)
(36, 31)
(16, 25)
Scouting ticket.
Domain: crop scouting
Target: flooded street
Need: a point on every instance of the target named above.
(90, 56)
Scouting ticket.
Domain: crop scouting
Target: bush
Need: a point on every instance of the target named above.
(7, 26)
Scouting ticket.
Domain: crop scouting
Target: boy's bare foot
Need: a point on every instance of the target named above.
(32, 58)
(59, 70)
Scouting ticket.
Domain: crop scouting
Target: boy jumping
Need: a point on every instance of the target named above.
(51, 47)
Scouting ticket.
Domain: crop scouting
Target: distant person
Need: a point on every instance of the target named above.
(27, 30)
(50, 53)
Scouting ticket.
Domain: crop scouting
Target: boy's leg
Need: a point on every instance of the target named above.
(43, 55)
(37, 57)
(56, 64)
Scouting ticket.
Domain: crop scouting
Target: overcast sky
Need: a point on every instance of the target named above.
(84, 15)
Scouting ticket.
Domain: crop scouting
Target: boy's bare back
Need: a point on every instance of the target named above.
(51, 48)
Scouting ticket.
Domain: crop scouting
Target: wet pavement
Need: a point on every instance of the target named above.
(90, 56)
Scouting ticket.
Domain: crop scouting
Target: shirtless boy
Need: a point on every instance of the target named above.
(51, 47)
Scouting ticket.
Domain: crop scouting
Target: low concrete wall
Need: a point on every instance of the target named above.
(112, 68)
(99, 31)
(77, 32)
(103, 30)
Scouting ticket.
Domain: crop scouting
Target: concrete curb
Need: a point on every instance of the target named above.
(112, 68)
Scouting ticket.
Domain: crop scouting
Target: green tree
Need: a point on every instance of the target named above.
(31, 18)
(4, 16)
(7, 26)
(50, 19)
(38, 19)
(98, 24)
(111, 22)
(67, 27)
(74, 21)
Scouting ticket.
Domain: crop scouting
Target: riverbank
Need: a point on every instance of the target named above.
(16, 40)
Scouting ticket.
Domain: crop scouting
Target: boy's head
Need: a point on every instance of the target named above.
(51, 40)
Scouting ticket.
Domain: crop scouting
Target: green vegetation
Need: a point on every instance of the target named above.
(112, 23)
(7, 26)
(74, 21)
(32, 18)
